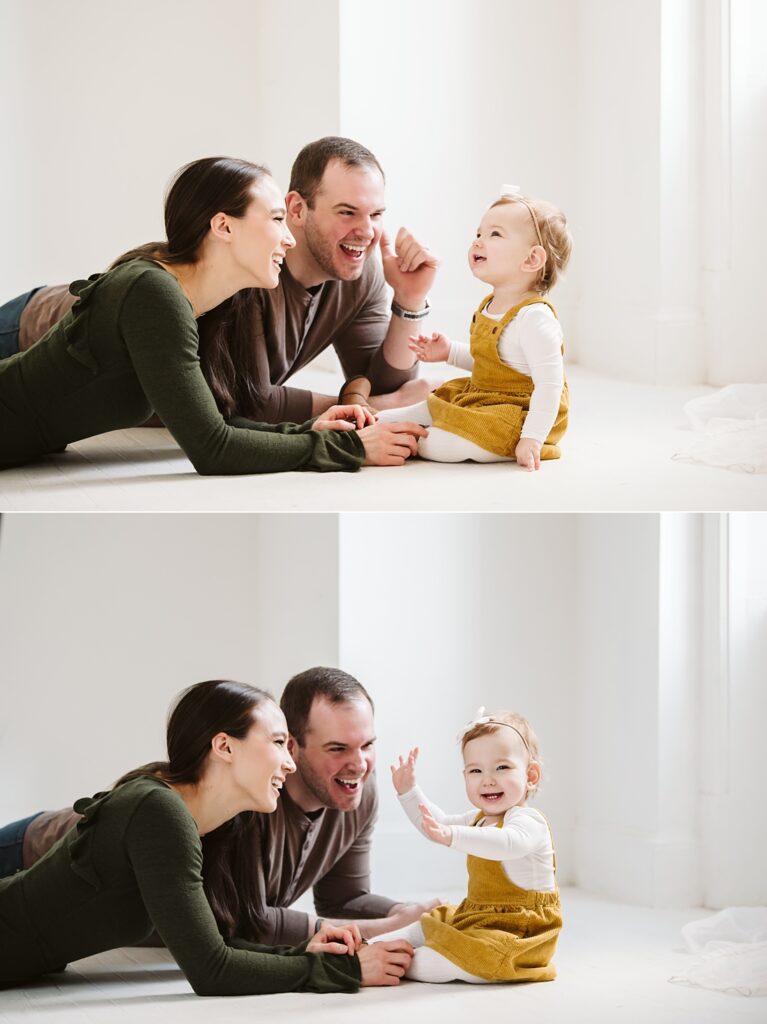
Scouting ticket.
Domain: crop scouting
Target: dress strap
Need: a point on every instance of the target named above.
(509, 315)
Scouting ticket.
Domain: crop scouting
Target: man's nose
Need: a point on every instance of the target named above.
(364, 226)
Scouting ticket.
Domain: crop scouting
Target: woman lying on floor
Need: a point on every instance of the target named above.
(134, 864)
(130, 344)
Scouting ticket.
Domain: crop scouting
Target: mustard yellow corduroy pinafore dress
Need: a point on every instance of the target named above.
(489, 408)
(499, 932)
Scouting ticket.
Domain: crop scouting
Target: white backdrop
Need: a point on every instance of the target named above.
(635, 653)
(642, 118)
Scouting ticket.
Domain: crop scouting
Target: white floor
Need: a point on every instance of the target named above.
(617, 456)
(613, 965)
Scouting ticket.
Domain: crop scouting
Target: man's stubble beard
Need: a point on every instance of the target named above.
(323, 253)
(319, 788)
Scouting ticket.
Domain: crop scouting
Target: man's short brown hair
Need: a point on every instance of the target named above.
(331, 684)
(309, 165)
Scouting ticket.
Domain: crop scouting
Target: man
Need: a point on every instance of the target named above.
(331, 291)
(319, 836)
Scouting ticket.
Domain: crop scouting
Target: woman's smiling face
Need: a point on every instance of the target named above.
(260, 760)
(260, 238)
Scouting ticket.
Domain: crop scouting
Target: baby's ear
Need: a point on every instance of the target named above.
(533, 774)
(536, 259)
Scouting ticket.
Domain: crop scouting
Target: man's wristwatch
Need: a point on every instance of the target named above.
(410, 314)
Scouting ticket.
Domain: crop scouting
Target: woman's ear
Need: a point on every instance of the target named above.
(221, 747)
(219, 227)
(535, 260)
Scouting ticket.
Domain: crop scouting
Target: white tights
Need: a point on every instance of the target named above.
(440, 445)
(428, 965)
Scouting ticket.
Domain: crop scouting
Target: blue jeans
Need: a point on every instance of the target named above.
(10, 317)
(12, 846)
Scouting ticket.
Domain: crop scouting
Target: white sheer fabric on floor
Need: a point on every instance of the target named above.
(730, 950)
(733, 422)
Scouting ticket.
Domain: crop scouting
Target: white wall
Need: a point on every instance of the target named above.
(111, 99)
(442, 614)
(639, 661)
(640, 119)
(733, 810)
(103, 619)
(468, 96)
(735, 219)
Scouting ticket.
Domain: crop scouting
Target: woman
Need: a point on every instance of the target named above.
(134, 863)
(130, 343)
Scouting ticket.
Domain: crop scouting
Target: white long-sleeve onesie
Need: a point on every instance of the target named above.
(522, 845)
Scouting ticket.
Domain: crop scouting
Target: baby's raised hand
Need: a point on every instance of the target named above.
(430, 349)
(436, 832)
(528, 454)
(403, 775)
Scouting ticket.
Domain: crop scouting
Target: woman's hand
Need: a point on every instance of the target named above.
(430, 349)
(403, 774)
(384, 963)
(528, 454)
(437, 833)
(344, 417)
(333, 938)
(389, 444)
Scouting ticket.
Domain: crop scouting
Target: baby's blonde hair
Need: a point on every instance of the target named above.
(496, 722)
(555, 237)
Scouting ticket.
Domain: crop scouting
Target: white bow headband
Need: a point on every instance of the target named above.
(481, 718)
(515, 192)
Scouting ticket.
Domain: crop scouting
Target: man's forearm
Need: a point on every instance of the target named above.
(321, 403)
(399, 916)
(369, 927)
(395, 344)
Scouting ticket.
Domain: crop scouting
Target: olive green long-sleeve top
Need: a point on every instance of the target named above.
(130, 346)
(132, 864)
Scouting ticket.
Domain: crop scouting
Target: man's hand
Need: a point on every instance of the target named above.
(409, 393)
(335, 939)
(430, 349)
(436, 832)
(403, 774)
(409, 269)
(389, 444)
(403, 914)
(384, 963)
(528, 454)
(344, 417)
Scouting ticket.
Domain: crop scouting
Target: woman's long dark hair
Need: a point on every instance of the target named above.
(229, 874)
(199, 713)
(197, 192)
(229, 350)
(200, 190)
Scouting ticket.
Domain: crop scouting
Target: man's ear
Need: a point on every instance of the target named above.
(221, 747)
(297, 207)
(533, 774)
(219, 227)
(292, 746)
(536, 260)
